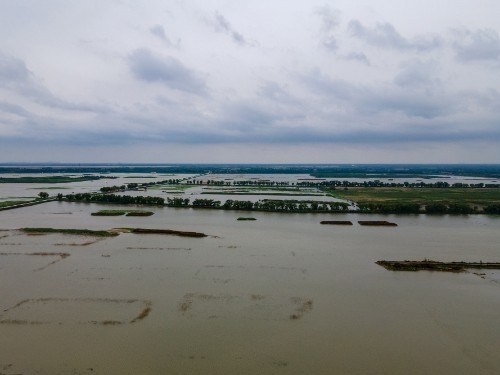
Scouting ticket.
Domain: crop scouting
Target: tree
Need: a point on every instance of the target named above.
(43, 195)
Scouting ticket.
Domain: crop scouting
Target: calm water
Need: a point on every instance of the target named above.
(280, 295)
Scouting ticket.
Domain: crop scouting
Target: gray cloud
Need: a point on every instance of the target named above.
(417, 74)
(371, 91)
(149, 67)
(159, 32)
(358, 56)
(330, 20)
(478, 45)
(221, 24)
(385, 35)
(367, 100)
(16, 77)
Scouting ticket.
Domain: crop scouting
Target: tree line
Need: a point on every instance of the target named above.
(113, 198)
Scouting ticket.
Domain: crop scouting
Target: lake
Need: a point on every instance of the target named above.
(279, 295)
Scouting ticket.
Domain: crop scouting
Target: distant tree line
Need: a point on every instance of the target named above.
(430, 208)
(273, 205)
(113, 198)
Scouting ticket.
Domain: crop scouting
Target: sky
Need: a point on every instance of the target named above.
(262, 81)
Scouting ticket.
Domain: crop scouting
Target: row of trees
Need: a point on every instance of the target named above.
(285, 205)
(492, 209)
(336, 184)
(113, 198)
(273, 205)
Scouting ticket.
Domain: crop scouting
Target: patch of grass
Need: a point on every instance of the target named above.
(167, 231)
(109, 213)
(139, 213)
(470, 196)
(431, 265)
(377, 223)
(79, 232)
(5, 204)
(336, 222)
(46, 179)
(122, 212)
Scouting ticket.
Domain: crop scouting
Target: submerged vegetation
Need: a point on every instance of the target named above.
(368, 196)
(166, 231)
(432, 265)
(122, 212)
(79, 232)
(113, 232)
(336, 222)
(377, 223)
(6, 204)
(48, 179)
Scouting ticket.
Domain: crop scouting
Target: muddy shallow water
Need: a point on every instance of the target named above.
(282, 294)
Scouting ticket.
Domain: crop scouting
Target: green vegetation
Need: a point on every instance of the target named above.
(269, 193)
(139, 213)
(492, 209)
(109, 213)
(336, 222)
(6, 204)
(43, 195)
(122, 212)
(431, 265)
(79, 232)
(422, 196)
(48, 179)
(377, 223)
(166, 231)
(112, 198)
(273, 205)
(422, 200)
(323, 170)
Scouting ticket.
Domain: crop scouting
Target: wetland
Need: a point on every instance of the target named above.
(191, 290)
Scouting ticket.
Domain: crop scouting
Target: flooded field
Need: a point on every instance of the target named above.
(280, 294)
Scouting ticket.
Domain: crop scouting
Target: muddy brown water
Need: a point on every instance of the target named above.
(282, 294)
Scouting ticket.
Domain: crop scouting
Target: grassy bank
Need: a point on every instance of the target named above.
(79, 232)
(421, 196)
(47, 179)
(122, 212)
(431, 265)
(6, 204)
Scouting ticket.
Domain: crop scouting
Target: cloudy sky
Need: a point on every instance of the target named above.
(265, 81)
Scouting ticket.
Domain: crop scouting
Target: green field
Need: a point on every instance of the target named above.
(5, 204)
(470, 196)
(47, 179)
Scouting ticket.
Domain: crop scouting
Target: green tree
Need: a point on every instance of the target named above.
(43, 195)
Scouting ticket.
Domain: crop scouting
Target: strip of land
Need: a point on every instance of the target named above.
(431, 265)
